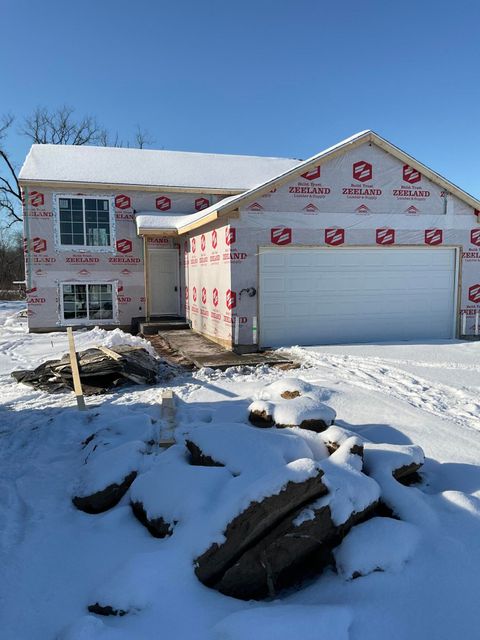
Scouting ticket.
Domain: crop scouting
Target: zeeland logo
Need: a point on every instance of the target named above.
(201, 203)
(193, 244)
(385, 236)
(122, 201)
(36, 199)
(313, 174)
(411, 175)
(475, 237)
(281, 235)
(204, 295)
(163, 203)
(433, 236)
(231, 299)
(39, 245)
(215, 297)
(255, 206)
(203, 242)
(474, 293)
(214, 239)
(124, 245)
(311, 208)
(230, 236)
(194, 294)
(362, 171)
(334, 237)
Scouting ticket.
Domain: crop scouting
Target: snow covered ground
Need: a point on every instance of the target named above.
(55, 560)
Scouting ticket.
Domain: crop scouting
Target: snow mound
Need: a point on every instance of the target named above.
(117, 430)
(110, 467)
(243, 448)
(291, 402)
(114, 338)
(285, 622)
(350, 490)
(380, 544)
(389, 458)
(176, 491)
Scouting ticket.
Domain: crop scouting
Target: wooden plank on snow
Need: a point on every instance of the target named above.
(77, 383)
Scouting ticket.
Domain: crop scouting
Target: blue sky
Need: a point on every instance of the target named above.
(285, 77)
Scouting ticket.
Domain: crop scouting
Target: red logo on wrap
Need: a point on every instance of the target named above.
(474, 293)
(194, 245)
(433, 236)
(475, 237)
(231, 299)
(214, 239)
(203, 242)
(201, 203)
(163, 203)
(412, 209)
(281, 235)
(362, 209)
(230, 236)
(124, 245)
(122, 201)
(36, 199)
(186, 293)
(385, 236)
(334, 237)
(311, 208)
(313, 174)
(215, 297)
(39, 245)
(194, 294)
(362, 171)
(410, 174)
(255, 206)
(204, 295)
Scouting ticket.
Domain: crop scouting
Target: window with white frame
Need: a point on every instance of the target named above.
(83, 302)
(84, 221)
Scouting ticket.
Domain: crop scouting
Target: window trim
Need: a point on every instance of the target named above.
(87, 321)
(84, 248)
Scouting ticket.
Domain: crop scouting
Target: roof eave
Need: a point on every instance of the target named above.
(56, 184)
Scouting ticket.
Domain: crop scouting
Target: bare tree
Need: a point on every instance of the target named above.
(61, 127)
(10, 192)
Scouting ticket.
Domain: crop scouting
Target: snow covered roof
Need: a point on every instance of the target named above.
(153, 222)
(152, 168)
(229, 204)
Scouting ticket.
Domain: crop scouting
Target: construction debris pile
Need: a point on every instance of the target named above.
(258, 510)
(101, 369)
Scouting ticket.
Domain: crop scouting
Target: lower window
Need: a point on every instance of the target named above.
(87, 302)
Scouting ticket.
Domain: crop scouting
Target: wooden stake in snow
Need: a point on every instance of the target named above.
(77, 383)
(167, 437)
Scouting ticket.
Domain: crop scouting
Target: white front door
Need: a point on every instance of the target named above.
(330, 296)
(163, 282)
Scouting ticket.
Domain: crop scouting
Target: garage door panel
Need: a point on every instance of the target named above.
(356, 295)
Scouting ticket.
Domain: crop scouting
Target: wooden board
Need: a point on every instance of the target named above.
(77, 383)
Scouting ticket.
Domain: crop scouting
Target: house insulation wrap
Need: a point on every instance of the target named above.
(359, 247)
(359, 243)
(49, 265)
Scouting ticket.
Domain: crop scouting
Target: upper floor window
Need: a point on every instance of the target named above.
(84, 222)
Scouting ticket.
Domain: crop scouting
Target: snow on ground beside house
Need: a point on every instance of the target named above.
(56, 560)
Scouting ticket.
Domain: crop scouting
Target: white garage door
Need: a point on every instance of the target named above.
(334, 296)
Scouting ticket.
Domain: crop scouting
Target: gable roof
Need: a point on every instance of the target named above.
(149, 168)
(227, 205)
